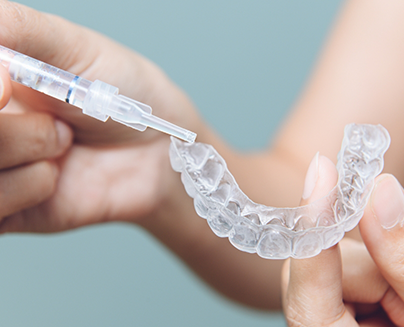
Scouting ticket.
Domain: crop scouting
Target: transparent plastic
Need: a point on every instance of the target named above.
(97, 99)
(279, 233)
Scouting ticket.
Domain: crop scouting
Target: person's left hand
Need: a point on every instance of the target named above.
(111, 172)
(366, 286)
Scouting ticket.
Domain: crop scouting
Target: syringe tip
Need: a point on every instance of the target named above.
(167, 127)
(190, 137)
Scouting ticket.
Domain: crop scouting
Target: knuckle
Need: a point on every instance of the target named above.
(44, 139)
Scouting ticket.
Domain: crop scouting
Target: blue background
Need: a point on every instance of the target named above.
(243, 64)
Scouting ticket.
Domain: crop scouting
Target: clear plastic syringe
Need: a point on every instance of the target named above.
(97, 99)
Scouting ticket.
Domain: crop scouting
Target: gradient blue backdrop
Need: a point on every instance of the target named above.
(243, 64)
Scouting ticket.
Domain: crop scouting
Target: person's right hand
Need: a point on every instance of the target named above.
(111, 172)
(366, 288)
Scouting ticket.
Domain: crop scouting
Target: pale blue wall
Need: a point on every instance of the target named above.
(243, 63)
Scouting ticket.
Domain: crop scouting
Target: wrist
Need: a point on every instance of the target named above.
(174, 221)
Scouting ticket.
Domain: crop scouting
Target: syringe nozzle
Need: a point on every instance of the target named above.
(167, 127)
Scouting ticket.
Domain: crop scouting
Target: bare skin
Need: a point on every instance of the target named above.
(94, 172)
(354, 284)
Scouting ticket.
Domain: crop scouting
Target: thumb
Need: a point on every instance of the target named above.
(312, 288)
(383, 234)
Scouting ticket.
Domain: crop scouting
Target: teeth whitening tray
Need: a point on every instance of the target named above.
(274, 233)
(97, 99)
(279, 233)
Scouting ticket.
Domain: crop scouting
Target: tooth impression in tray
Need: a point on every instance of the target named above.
(278, 233)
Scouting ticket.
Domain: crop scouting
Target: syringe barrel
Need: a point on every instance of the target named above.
(97, 99)
(44, 78)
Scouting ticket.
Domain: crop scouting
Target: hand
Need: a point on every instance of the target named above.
(364, 288)
(111, 172)
(30, 144)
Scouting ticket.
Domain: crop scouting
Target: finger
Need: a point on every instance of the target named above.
(31, 137)
(378, 319)
(362, 280)
(393, 306)
(383, 233)
(43, 36)
(26, 186)
(5, 87)
(321, 177)
(314, 287)
(83, 52)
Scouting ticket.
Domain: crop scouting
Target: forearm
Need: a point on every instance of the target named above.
(359, 78)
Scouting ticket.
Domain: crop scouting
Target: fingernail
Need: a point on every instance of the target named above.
(387, 202)
(64, 134)
(311, 177)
